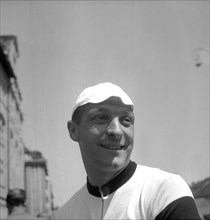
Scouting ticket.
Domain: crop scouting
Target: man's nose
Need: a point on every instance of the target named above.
(114, 129)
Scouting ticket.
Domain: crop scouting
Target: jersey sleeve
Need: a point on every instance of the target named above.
(182, 208)
(173, 199)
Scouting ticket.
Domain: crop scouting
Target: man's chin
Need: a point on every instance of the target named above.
(119, 164)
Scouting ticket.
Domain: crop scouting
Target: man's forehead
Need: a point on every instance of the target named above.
(111, 104)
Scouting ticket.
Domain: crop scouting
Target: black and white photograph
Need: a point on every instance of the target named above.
(104, 109)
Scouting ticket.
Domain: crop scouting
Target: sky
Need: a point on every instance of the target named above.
(145, 47)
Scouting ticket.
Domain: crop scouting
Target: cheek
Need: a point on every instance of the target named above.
(96, 131)
(130, 134)
(89, 135)
(86, 131)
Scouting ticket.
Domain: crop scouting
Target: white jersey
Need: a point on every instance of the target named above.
(145, 194)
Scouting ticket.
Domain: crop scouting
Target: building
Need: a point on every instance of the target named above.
(38, 185)
(19, 167)
(201, 192)
(11, 119)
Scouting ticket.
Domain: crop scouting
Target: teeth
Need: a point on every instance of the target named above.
(111, 147)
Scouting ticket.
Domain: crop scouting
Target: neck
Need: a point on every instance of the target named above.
(114, 184)
(99, 177)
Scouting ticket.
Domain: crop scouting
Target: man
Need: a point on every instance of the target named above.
(117, 188)
(16, 205)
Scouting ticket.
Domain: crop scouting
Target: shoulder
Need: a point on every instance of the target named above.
(163, 182)
(161, 188)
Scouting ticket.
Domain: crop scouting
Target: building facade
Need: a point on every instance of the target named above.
(19, 167)
(38, 185)
(11, 119)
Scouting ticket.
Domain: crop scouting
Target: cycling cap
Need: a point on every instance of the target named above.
(101, 92)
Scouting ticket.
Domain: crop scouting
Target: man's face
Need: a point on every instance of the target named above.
(106, 134)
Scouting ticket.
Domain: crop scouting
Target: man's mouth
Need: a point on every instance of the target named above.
(112, 146)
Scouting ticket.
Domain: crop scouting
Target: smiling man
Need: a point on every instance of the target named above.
(117, 188)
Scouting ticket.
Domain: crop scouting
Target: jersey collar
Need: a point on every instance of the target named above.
(113, 184)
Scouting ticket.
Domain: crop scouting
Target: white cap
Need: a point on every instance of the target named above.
(101, 92)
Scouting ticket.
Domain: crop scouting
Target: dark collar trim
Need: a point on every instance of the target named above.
(115, 183)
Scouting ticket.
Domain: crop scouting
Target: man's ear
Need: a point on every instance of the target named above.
(73, 130)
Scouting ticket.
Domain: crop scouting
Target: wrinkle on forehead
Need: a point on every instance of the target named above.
(114, 101)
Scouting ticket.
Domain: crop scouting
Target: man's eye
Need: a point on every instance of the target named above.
(127, 121)
(100, 118)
